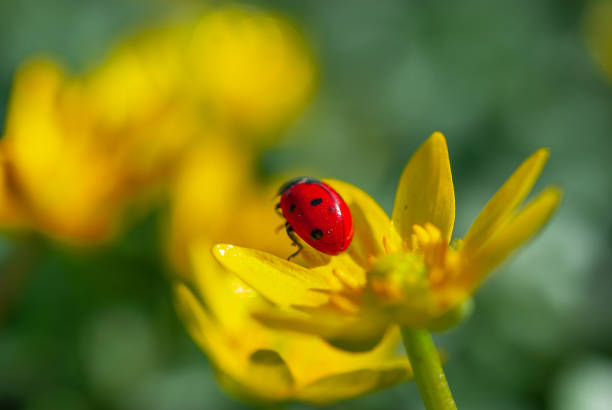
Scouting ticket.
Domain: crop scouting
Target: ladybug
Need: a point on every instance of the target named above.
(316, 213)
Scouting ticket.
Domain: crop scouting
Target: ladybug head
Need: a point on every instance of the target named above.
(297, 180)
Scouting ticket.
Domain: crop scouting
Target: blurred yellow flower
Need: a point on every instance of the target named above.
(242, 69)
(70, 166)
(252, 68)
(77, 151)
(598, 29)
(53, 169)
(400, 270)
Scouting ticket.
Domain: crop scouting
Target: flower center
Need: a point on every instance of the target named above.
(396, 277)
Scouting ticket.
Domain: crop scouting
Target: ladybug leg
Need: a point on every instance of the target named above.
(280, 213)
(291, 234)
(278, 210)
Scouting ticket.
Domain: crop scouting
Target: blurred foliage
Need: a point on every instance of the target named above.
(96, 328)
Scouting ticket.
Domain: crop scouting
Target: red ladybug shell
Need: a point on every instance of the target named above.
(317, 214)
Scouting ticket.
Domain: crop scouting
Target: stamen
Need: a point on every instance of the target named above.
(346, 280)
(344, 304)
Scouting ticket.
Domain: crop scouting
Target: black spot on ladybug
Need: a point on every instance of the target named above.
(316, 234)
(316, 201)
(292, 208)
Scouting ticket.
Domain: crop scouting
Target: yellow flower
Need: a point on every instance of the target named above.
(71, 164)
(216, 197)
(402, 269)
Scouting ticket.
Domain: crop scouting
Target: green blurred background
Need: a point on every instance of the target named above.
(97, 330)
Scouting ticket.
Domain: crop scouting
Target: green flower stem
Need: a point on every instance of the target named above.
(428, 371)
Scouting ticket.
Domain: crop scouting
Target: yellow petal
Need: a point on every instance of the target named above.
(196, 320)
(327, 367)
(524, 225)
(353, 384)
(280, 281)
(244, 368)
(354, 374)
(217, 287)
(370, 221)
(350, 333)
(425, 192)
(507, 199)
